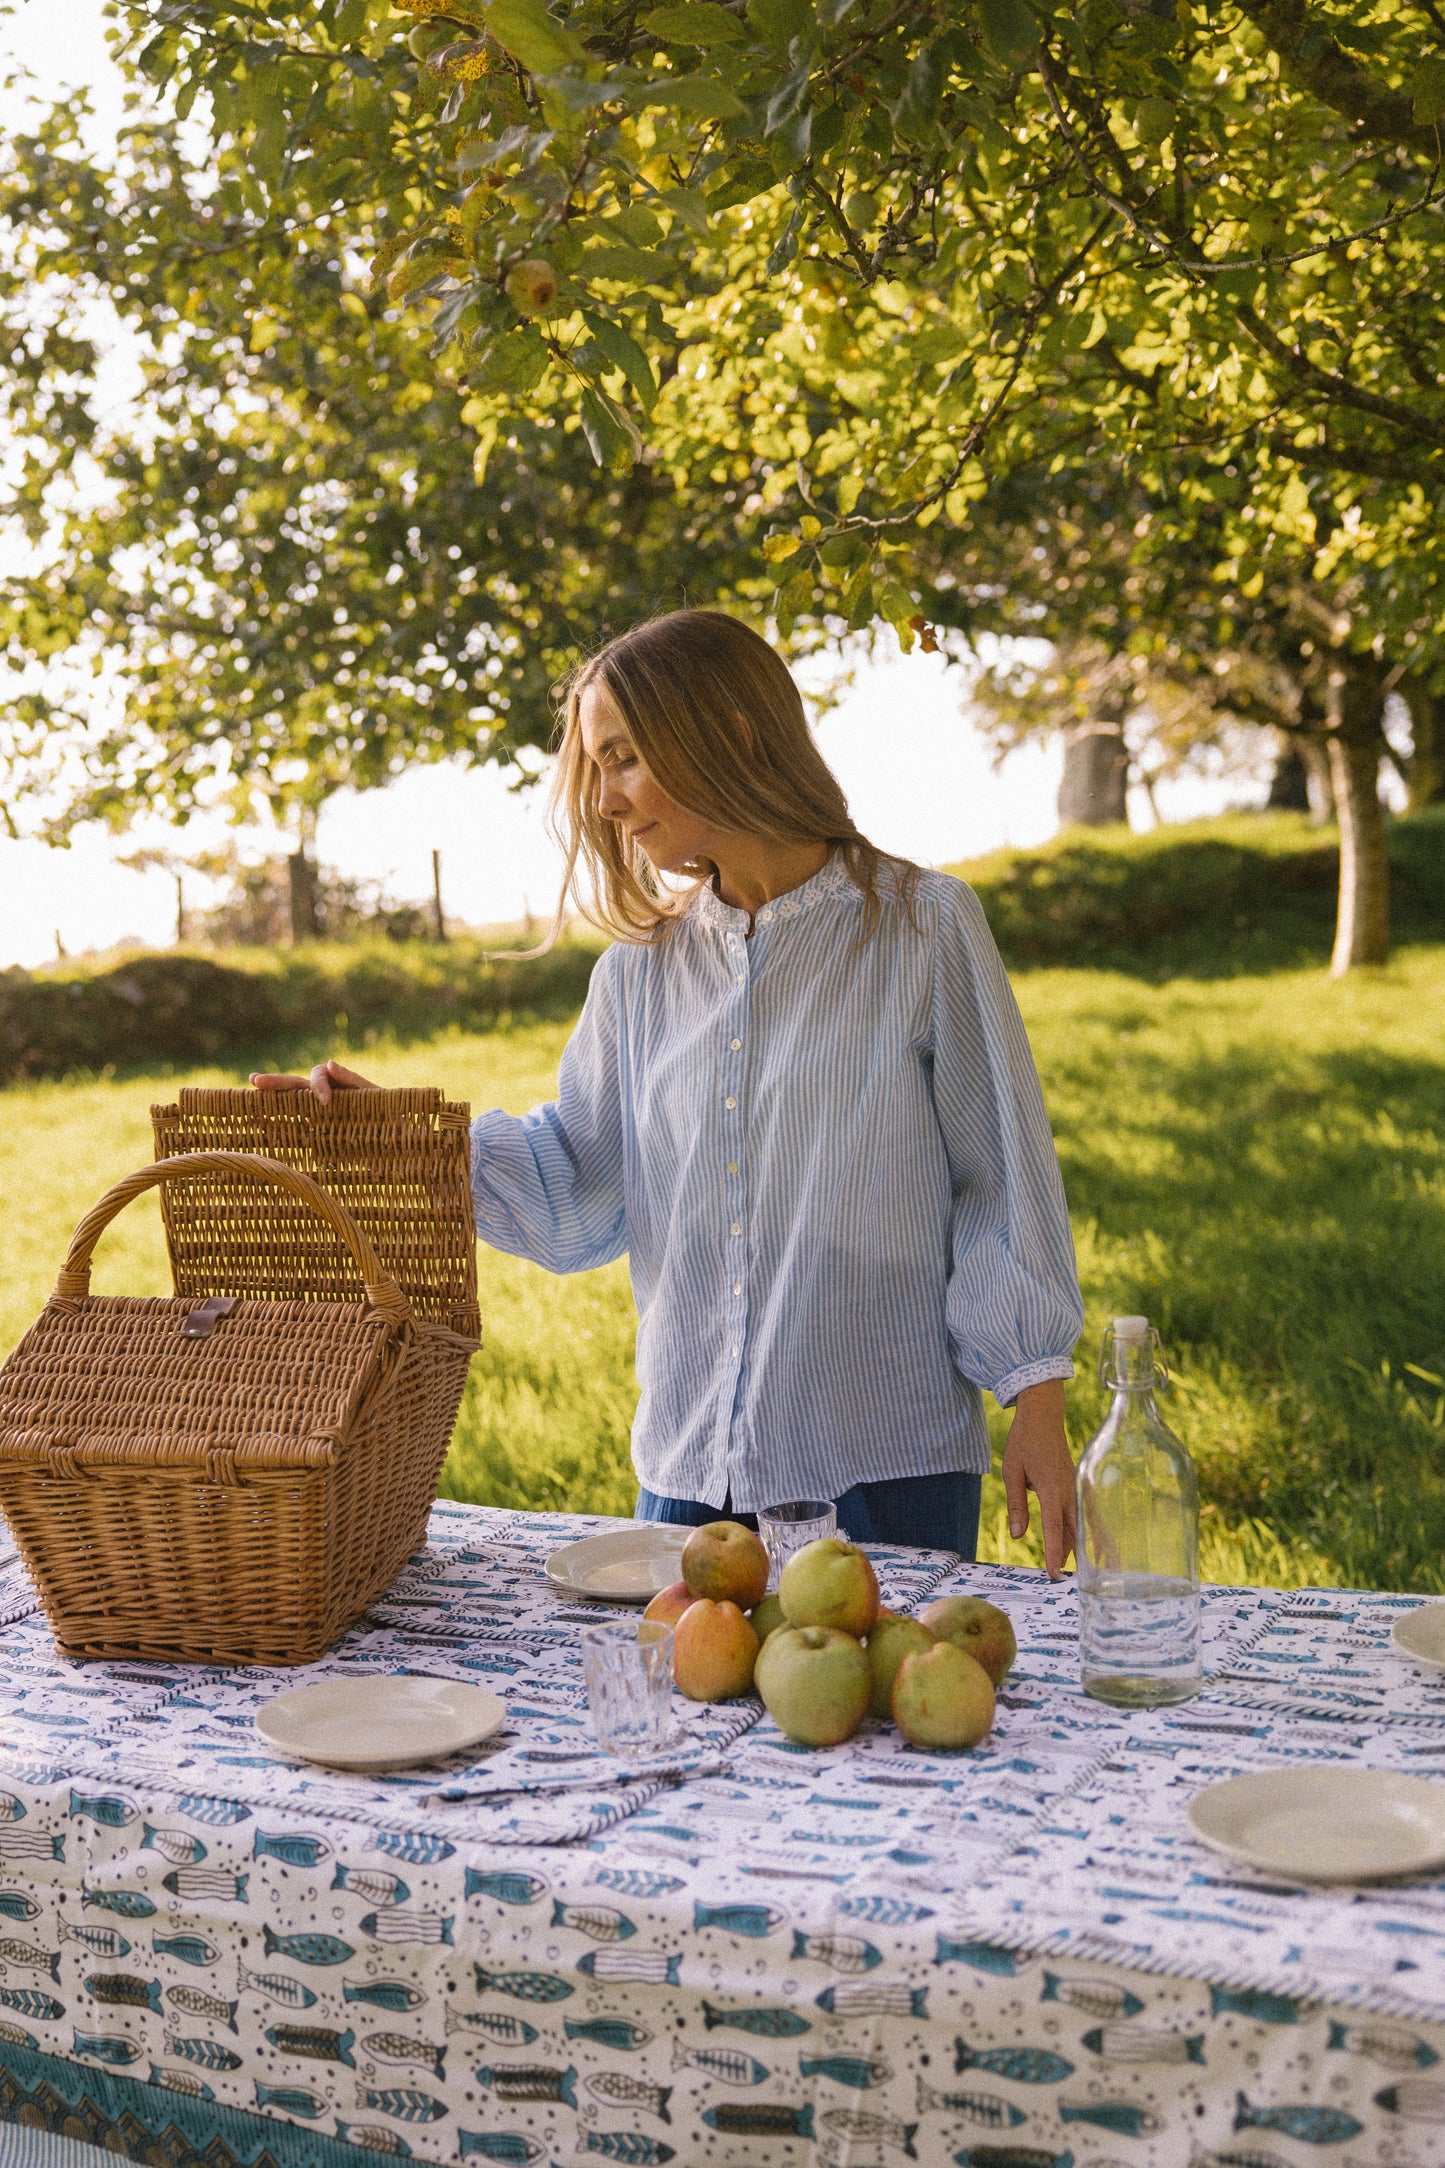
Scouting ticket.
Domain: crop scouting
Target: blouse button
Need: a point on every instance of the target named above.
(730, 1104)
(735, 1044)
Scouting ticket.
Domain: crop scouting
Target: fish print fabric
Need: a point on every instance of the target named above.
(763, 1953)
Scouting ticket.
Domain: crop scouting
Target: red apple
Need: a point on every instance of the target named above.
(980, 1629)
(726, 1563)
(942, 1698)
(891, 1639)
(830, 1583)
(670, 1603)
(713, 1652)
(815, 1683)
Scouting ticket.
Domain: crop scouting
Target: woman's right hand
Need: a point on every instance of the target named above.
(327, 1077)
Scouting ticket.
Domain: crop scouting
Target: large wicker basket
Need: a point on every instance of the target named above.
(231, 1474)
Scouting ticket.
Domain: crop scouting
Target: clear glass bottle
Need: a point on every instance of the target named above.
(1138, 1538)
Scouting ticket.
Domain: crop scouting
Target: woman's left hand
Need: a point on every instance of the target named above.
(1037, 1459)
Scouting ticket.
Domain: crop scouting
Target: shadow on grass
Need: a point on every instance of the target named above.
(1281, 1218)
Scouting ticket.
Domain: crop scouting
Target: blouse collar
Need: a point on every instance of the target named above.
(832, 881)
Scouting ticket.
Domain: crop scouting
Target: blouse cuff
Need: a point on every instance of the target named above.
(1008, 1388)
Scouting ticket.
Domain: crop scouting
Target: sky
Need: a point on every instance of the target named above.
(919, 777)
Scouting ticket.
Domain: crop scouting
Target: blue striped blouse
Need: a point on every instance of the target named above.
(830, 1166)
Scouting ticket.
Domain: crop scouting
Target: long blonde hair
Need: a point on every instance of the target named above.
(719, 724)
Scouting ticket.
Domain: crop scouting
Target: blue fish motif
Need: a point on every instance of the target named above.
(386, 1994)
(107, 1808)
(609, 2032)
(857, 2000)
(16, 1905)
(320, 2042)
(374, 2138)
(637, 1881)
(31, 2002)
(1310, 2124)
(276, 1987)
(408, 2103)
(760, 2119)
(181, 2081)
(1026, 2066)
(517, 2082)
(106, 2048)
(414, 1926)
(767, 2023)
(190, 1949)
(11, 1809)
(307, 1949)
(855, 2070)
(627, 2146)
(1123, 2117)
(604, 1923)
(883, 1911)
(983, 1956)
(412, 1846)
(503, 2145)
(1100, 1998)
(508, 1889)
(526, 1986)
(376, 1884)
(293, 1850)
(129, 1904)
(1011, 2156)
(22, 1953)
(208, 2053)
(753, 1920)
(1254, 2002)
(125, 1987)
(1383, 2044)
(213, 1813)
(207, 1882)
(294, 2099)
(176, 1845)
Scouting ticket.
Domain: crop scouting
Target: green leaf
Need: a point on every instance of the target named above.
(638, 266)
(1430, 90)
(611, 443)
(623, 351)
(896, 604)
(779, 547)
(1010, 31)
(515, 363)
(778, 22)
(530, 35)
(688, 204)
(695, 22)
(705, 97)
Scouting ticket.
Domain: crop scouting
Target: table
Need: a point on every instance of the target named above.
(746, 1953)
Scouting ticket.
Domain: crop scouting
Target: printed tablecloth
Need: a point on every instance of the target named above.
(746, 1952)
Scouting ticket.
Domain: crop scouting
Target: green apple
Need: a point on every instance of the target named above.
(726, 1562)
(815, 1683)
(891, 1639)
(767, 1617)
(942, 1698)
(830, 1583)
(980, 1629)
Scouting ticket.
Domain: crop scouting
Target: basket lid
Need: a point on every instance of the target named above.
(120, 1379)
(398, 1161)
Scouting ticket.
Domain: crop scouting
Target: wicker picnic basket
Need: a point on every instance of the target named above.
(232, 1473)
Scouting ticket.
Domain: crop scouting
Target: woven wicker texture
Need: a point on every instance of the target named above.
(396, 1161)
(238, 1497)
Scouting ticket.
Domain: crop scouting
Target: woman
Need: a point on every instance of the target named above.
(800, 1098)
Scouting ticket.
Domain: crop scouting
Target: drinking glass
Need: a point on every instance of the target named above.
(628, 1669)
(785, 1529)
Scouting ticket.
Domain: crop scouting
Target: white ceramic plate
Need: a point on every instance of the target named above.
(1325, 1825)
(379, 1723)
(625, 1565)
(1421, 1634)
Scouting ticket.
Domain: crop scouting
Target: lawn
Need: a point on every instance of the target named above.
(1256, 1161)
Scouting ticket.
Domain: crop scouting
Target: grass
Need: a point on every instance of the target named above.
(1254, 1156)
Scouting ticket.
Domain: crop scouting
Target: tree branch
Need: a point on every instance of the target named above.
(1312, 61)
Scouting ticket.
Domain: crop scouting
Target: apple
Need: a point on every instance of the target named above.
(670, 1603)
(830, 1583)
(980, 1629)
(815, 1683)
(714, 1650)
(890, 1640)
(941, 1697)
(532, 286)
(767, 1617)
(726, 1563)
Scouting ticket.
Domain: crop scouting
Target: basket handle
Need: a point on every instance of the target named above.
(73, 1282)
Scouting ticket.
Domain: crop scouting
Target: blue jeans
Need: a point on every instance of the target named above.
(927, 1512)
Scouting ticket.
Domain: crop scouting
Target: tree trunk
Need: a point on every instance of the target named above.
(1362, 928)
(1425, 782)
(305, 920)
(1320, 787)
(1094, 789)
(1289, 786)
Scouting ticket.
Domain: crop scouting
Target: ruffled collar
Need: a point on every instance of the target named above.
(831, 882)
